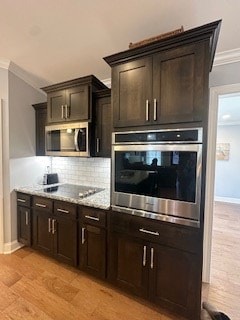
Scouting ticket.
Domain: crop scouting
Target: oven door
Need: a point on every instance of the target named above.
(162, 180)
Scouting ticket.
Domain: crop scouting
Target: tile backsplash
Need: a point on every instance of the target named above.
(85, 171)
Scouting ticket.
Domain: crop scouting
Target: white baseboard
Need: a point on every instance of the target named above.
(10, 247)
(225, 199)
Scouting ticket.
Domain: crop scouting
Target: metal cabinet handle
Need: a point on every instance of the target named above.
(92, 218)
(26, 218)
(66, 111)
(144, 255)
(62, 210)
(97, 145)
(21, 200)
(152, 255)
(53, 226)
(41, 205)
(149, 232)
(62, 116)
(147, 110)
(49, 225)
(83, 235)
(154, 109)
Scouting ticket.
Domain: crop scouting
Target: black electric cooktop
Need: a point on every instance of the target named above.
(72, 190)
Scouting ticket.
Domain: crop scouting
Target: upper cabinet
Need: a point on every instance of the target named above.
(164, 82)
(41, 119)
(72, 100)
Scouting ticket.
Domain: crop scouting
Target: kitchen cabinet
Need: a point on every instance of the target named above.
(103, 124)
(40, 120)
(55, 232)
(92, 241)
(145, 259)
(24, 218)
(164, 82)
(72, 100)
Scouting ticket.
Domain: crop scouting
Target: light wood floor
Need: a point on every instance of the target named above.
(224, 290)
(33, 286)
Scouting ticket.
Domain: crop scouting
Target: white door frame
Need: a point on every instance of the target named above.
(1, 180)
(215, 92)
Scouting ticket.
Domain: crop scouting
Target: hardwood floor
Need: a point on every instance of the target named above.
(33, 286)
(224, 290)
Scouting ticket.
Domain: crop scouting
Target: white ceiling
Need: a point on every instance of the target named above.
(58, 40)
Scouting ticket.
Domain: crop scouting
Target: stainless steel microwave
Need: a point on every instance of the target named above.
(68, 139)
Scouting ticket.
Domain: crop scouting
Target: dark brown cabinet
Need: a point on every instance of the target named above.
(24, 218)
(103, 124)
(55, 232)
(92, 241)
(41, 120)
(157, 261)
(72, 100)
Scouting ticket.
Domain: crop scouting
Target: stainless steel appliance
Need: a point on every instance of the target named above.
(157, 174)
(68, 139)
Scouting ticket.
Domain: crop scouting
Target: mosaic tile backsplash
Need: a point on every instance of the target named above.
(85, 171)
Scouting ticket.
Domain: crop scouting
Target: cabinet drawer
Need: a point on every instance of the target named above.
(23, 199)
(62, 208)
(92, 216)
(42, 203)
(172, 235)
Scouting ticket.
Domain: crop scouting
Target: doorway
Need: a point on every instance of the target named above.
(1, 179)
(215, 94)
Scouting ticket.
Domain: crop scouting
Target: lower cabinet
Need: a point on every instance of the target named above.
(24, 220)
(92, 241)
(55, 232)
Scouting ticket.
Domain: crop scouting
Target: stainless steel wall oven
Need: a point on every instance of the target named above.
(157, 174)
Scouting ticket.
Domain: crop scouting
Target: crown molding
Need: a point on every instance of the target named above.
(226, 57)
(20, 73)
(107, 82)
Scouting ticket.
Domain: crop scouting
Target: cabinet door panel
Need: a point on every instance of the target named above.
(42, 236)
(78, 103)
(24, 225)
(178, 84)
(56, 101)
(174, 279)
(65, 240)
(126, 263)
(92, 250)
(41, 119)
(132, 87)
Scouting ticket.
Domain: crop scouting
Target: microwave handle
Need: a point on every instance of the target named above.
(76, 139)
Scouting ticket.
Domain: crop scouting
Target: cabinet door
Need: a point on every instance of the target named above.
(41, 120)
(56, 104)
(128, 263)
(42, 231)
(179, 84)
(103, 128)
(24, 225)
(132, 93)
(92, 250)
(64, 231)
(175, 280)
(77, 103)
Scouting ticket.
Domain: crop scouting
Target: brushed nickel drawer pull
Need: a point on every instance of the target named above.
(49, 225)
(41, 205)
(154, 109)
(53, 226)
(62, 210)
(147, 110)
(149, 232)
(26, 218)
(144, 255)
(98, 145)
(152, 254)
(83, 235)
(21, 200)
(92, 218)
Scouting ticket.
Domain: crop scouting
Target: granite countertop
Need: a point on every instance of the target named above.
(99, 200)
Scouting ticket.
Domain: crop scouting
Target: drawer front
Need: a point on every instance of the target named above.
(23, 199)
(42, 203)
(62, 208)
(92, 216)
(169, 234)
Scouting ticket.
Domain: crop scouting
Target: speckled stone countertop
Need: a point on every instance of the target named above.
(99, 200)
